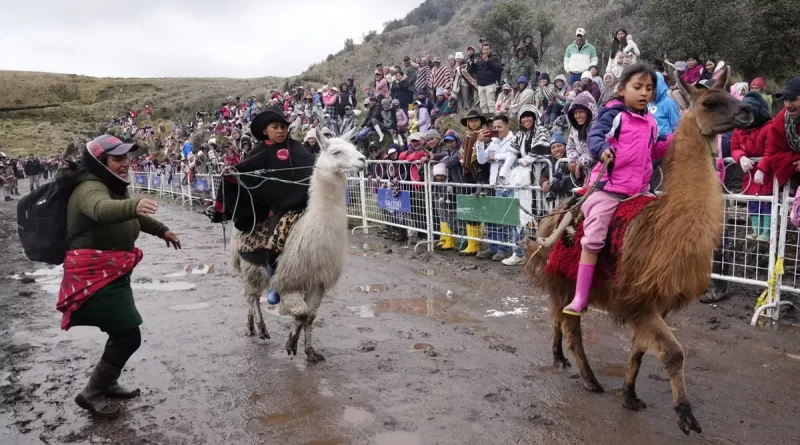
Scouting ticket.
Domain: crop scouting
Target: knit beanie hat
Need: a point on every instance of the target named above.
(439, 169)
(558, 138)
(432, 134)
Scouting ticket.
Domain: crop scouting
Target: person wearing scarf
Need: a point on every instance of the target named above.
(693, 71)
(472, 173)
(265, 210)
(783, 134)
(103, 223)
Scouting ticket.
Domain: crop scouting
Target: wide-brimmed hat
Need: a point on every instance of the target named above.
(266, 117)
(473, 114)
(109, 145)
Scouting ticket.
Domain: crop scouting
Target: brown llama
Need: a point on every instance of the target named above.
(665, 262)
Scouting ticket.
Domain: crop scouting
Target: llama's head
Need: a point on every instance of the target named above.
(339, 155)
(715, 109)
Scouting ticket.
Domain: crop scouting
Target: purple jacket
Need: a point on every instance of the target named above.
(633, 138)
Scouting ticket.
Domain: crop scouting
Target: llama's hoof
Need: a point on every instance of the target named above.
(561, 362)
(633, 403)
(291, 345)
(264, 335)
(593, 386)
(313, 357)
(686, 420)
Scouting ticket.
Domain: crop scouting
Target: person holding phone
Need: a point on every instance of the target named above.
(495, 148)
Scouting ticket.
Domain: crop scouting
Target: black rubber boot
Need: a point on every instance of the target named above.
(121, 392)
(93, 397)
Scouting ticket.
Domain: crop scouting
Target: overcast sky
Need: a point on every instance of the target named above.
(184, 38)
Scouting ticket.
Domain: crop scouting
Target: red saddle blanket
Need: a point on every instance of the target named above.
(566, 252)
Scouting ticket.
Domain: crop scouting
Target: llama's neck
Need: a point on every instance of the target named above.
(326, 193)
(692, 190)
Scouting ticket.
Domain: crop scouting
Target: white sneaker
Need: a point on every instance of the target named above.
(514, 260)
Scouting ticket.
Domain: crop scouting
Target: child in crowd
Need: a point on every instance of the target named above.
(581, 115)
(759, 86)
(752, 142)
(560, 185)
(625, 133)
(445, 201)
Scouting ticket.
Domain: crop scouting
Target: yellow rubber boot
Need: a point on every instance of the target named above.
(473, 247)
(446, 242)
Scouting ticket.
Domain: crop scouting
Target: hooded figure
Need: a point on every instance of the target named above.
(520, 66)
(665, 110)
(525, 96)
(311, 142)
(751, 142)
(449, 157)
(577, 144)
(349, 120)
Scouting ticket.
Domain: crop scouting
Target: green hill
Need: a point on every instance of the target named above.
(87, 103)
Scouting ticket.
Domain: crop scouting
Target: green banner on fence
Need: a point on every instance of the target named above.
(488, 209)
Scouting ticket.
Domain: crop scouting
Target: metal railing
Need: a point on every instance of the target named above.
(406, 197)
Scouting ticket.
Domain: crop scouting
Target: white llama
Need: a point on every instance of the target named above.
(315, 250)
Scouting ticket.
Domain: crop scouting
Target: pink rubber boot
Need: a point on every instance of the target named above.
(583, 288)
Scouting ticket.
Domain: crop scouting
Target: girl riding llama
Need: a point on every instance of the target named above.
(626, 135)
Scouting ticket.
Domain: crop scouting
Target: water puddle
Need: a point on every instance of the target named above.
(357, 416)
(281, 418)
(374, 288)
(793, 356)
(397, 438)
(616, 341)
(429, 272)
(324, 389)
(511, 306)
(420, 306)
(555, 370)
(190, 307)
(167, 286)
(193, 269)
(363, 310)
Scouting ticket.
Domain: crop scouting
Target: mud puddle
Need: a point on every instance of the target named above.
(357, 416)
(433, 307)
(374, 288)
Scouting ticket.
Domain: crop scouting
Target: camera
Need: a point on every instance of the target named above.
(551, 195)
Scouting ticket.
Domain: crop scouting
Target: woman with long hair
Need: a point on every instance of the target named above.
(616, 56)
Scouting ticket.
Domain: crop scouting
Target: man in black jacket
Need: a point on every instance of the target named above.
(32, 168)
(487, 69)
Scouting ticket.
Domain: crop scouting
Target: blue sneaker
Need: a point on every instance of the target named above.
(272, 296)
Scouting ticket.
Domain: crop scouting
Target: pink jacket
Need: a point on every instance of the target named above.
(330, 100)
(633, 138)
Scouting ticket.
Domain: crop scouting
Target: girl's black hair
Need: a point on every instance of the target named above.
(640, 69)
(616, 45)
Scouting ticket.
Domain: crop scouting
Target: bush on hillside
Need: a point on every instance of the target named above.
(505, 25)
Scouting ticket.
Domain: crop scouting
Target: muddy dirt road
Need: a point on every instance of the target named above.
(405, 363)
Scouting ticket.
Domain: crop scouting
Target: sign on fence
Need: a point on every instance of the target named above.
(388, 202)
(201, 185)
(156, 180)
(141, 179)
(488, 209)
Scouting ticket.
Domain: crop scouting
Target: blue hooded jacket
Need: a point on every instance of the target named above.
(187, 149)
(665, 110)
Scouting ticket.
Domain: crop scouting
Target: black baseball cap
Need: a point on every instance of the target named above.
(110, 145)
(791, 91)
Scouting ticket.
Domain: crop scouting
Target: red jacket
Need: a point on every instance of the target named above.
(780, 157)
(417, 172)
(752, 142)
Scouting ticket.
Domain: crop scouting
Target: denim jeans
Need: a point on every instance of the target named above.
(574, 77)
(362, 133)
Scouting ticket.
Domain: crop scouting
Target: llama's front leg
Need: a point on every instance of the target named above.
(259, 318)
(251, 326)
(291, 343)
(559, 361)
(572, 331)
(313, 300)
(255, 284)
(638, 349)
(655, 333)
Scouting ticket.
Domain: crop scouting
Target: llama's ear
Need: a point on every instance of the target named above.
(323, 141)
(349, 135)
(689, 90)
(720, 83)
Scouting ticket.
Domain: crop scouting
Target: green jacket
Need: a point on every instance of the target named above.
(99, 220)
(517, 68)
(578, 61)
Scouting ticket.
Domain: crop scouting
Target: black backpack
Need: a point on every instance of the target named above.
(42, 222)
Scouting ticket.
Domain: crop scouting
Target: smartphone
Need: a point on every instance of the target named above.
(494, 134)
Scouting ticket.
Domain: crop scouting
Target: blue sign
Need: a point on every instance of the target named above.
(201, 185)
(388, 202)
(141, 179)
(156, 181)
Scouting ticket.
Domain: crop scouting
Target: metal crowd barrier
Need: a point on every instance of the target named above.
(405, 196)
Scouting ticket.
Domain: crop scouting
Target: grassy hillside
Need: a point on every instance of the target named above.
(442, 27)
(87, 103)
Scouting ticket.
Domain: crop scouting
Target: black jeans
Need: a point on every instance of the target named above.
(120, 346)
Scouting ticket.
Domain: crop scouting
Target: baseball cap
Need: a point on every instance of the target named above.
(415, 137)
(791, 91)
(110, 145)
(580, 32)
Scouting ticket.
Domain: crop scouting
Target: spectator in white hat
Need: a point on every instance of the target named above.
(580, 55)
